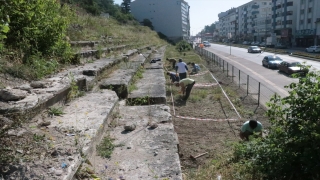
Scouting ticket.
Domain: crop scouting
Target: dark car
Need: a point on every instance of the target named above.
(291, 67)
(271, 61)
(253, 49)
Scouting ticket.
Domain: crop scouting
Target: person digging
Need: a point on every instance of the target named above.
(186, 85)
(249, 128)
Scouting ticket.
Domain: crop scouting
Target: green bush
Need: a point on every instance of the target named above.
(37, 26)
(4, 29)
(292, 148)
(183, 46)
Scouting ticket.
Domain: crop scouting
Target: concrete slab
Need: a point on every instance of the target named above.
(58, 87)
(145, 153)
(158, 54)
(151, 86)
(120, 79)
(71, 137)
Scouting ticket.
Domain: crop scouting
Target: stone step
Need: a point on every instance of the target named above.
(40, 95)
(148, 152)
(150, 88)
(74, 134)
(120, 79)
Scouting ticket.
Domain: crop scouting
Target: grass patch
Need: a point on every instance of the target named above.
(106, 147)
(55, 111)
(38, 138)
(138, 75)
(132, 87)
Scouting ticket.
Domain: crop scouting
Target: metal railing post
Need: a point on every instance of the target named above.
(247, 85)
(223, 66)
(232, 74)
(239, 78)
(259, 94)
(227, 69)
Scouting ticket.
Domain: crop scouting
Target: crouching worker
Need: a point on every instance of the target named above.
(249, 128)
(186, 85)
(173, 77)
(195, 68)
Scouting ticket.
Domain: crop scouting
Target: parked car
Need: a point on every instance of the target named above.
(263, 44)
(291, 67)
(253, 49)
(280, 46)
(206, 44)
(313, 49)
(271, 61)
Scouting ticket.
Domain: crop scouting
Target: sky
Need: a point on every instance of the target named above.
(205, 12)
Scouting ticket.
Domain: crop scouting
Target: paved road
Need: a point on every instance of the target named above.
(257, 58)
(251, 64)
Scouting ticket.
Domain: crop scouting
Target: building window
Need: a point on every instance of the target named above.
(309, 20)
(289, 3)
(309, 10)
(289, 13)
(302, 11)
(302, 1)
(301, 22)
(289, 21)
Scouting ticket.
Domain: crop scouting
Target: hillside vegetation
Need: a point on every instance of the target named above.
(35, 36)
(35, 42)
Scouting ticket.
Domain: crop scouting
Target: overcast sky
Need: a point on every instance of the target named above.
(205, 12)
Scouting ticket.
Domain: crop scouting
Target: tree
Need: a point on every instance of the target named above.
(125, 6)
(292, 148)
(147, 22)
(108, 6)
(210, 29)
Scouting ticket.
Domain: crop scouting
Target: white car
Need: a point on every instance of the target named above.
(313, 49)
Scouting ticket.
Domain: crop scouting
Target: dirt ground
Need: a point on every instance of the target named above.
(210, 136)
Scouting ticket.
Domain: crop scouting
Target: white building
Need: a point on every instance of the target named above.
(248, 22)
(255, 20)
(284, 20)
(227, 26)
(171, 18)
(307, 29)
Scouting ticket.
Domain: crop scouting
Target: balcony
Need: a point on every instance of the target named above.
(290, 8)
(279, 27)
(255, 12)
(255, 6)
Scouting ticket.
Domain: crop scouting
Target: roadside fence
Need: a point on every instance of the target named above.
(253, 88)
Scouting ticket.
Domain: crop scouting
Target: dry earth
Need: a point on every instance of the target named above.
(215, 135)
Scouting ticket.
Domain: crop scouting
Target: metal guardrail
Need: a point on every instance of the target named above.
(253, 87)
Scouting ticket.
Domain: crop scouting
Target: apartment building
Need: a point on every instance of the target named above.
(228, 24)
(255, 20)
(284, 20)
(171, 18)
(248, 22)
(307, 29)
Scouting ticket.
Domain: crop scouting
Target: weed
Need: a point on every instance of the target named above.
(38, 138)
(55, 111)
(132, 87)
(74, 89)
(115, 115)
(106, 147)
(139, 101)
